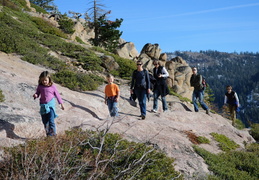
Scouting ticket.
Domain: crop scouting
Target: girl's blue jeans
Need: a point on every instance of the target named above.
(49, 123)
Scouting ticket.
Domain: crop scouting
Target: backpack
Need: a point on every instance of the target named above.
(204, 83)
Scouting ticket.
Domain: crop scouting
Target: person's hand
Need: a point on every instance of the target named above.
(35, 96)
(62, 107)
(148, 91)
(131, 91)
(105, 101)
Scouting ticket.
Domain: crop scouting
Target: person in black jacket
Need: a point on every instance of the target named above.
(198, 92)
(232, 100)
(160, 87)
(140, 86)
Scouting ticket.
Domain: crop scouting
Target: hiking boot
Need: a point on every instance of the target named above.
(143, 117)
(208, 111)
(154, 111)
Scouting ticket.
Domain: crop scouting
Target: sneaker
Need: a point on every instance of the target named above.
(165, 110)
(207, 111)
(143, 117)
(154, 111)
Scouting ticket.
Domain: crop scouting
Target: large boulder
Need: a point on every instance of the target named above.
(28, 4)
(127, 50)
(84, 33)
(179, 76)
(109, 63)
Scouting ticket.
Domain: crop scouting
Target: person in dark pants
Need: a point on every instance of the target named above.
(160, 87)
(232, 100)
(140, 86)
(198, 92)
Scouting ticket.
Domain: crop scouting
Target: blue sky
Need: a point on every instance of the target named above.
(222, 25)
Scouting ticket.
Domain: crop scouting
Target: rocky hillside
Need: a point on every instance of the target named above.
(20, 120)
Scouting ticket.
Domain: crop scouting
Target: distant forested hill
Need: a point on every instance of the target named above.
(240, 70)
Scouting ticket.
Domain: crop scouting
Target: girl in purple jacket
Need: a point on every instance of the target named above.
(47, 92)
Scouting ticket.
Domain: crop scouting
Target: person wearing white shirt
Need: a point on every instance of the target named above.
(160, 87)
(232, 100)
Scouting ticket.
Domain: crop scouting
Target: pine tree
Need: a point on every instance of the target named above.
(45, 4)
(106, 33)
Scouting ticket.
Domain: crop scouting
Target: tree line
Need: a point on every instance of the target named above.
(240, 70)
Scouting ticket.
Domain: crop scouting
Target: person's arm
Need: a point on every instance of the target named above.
(105, 95)
(57, 95)
(148, 82)
(237, 99)
(191, 81)
(132, 82)
(37, 93)
(225, 100)
(105, 99)
(164, 74)
(118, 96)
(62, 106)
(200, 79)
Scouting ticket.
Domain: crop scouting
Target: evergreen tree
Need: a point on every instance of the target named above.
(45, 4)
(106, 33)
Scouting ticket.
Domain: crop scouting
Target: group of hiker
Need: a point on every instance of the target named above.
(142, 83)
(140, 89)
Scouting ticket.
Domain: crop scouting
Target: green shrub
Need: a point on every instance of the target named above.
(224, 142)
(83, 154)
(38, 8)
(239, 124)
(126, 67)
(9, 4)
(77, 81)
(231, 165)
(203, 140)
(254, 148)
(1, 96)
(79, 40)
(66, 25)
(47, 27)
(255, 131)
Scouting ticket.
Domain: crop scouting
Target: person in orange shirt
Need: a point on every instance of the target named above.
(112, 96)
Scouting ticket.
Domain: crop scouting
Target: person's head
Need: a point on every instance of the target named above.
(194, 70)
(45, 79)
(156, 63)
(229, 88)
(110, 78)
(139, 64)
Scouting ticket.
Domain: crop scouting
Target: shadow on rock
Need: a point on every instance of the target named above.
(9, 129)
(85, 109)
(186, 108)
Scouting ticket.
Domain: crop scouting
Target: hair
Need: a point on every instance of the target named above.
(228, 87)
(43, 75)
(109, 76)
(139, 61)
(156, 61)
